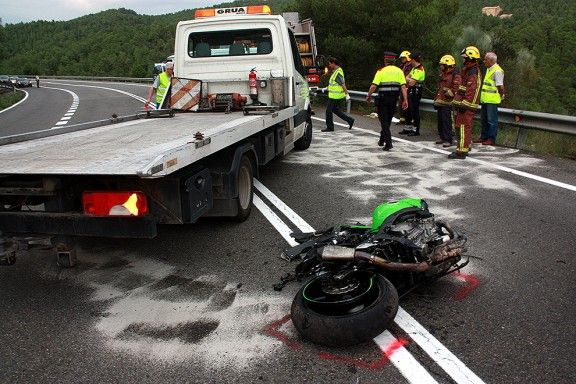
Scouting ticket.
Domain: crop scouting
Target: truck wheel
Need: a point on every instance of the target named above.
(245, 184)
(304, 142)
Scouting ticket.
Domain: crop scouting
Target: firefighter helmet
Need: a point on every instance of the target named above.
(471, 52)
(447, 60)
(406, 55)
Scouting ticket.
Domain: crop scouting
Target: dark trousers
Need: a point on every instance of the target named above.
(333, 107)
(445, 123)
(489, 121)
(413, 113)
(386, 110)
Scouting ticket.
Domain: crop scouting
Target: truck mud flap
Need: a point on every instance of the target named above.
(77, 225)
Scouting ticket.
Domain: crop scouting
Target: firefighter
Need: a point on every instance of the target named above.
(390, 83)
(161, 85)
(415, 81)
(466, 100)
(406, 67)
(448, 84)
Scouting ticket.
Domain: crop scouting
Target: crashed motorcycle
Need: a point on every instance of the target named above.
(357, 273)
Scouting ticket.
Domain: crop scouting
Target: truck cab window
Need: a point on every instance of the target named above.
(230, 43)
(296, 54)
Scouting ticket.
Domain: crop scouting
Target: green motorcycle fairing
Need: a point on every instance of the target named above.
(386, 210)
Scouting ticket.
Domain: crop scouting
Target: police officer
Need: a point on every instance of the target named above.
(161, 85)
(390, 83)
(415, 81)
(337, 92)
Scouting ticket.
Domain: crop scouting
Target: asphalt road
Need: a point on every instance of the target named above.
(196, 303)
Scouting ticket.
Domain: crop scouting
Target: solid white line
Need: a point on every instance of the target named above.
(139, 98)
(442, 356)
(13, 105)
(273, 218)
(471, 159)
(286, 210)
(402, 359)
(450, 363)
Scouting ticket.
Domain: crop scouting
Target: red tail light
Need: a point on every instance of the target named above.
(125, 203)
(313, 79)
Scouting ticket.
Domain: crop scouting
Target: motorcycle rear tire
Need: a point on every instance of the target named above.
(345, 329)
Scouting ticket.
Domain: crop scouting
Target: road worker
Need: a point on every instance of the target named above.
(466, 101)
(337, 92)
(415, 81)
(448, 84)
(390, 83)
(161, 86)
(490, 97)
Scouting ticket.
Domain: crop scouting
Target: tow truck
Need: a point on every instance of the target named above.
(241, 99)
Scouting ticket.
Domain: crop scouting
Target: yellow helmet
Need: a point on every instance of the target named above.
(406, 55)
(447, 60)
(471, 52)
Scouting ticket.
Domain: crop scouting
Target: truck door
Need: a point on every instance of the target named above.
(301, 90)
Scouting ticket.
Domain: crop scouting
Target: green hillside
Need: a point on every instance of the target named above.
(536, 46)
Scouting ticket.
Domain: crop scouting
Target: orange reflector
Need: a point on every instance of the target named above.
(259, 10)
(125, 203)
(199, 13)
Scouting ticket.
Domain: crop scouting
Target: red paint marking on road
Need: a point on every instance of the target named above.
(272, 330)
(472, 283)
(386, 353)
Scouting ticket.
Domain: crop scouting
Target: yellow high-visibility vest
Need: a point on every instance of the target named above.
(335, 90)
(163, 84)
(490, 94)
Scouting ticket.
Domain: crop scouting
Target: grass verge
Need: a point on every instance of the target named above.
(10, 98)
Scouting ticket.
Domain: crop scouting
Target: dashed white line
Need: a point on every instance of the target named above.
(68, 115)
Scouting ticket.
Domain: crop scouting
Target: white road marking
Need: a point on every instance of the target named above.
(139, 98)
(449, 362)
(442, 356)
(469, 159)
(14, 105)
(408, 366)
(68, 115)
(286, 210)
(284, 230)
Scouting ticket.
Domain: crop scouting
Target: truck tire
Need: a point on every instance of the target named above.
(336, 325)
(304, 142)
(245, 183)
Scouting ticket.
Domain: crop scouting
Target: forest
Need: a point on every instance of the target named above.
(535, 46)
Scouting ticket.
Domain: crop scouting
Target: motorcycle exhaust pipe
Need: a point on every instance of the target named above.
(336, 253)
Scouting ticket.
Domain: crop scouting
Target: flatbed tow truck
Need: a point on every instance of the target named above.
(122, 180)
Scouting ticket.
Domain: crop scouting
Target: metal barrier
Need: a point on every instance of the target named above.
(112, 79)
(524, 120)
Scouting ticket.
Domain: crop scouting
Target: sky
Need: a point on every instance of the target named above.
(14, 11)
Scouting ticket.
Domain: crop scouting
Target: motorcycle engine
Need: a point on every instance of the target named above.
(421, 232)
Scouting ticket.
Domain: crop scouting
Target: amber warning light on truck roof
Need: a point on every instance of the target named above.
(233, 11)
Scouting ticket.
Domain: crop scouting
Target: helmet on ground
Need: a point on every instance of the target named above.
(406, 55)
(471, 52)
(447, 60)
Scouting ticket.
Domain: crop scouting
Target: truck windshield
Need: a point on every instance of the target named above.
(230, 43)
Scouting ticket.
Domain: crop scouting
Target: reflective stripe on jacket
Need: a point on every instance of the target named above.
(389, 80)
(163, 84)
(418, 74)
(335, 90)
(490, 94)
(468, 95)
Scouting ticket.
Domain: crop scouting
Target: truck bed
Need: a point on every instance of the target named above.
(146, 148)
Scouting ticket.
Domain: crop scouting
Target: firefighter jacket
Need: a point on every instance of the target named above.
(448, 85)
(468, 95)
